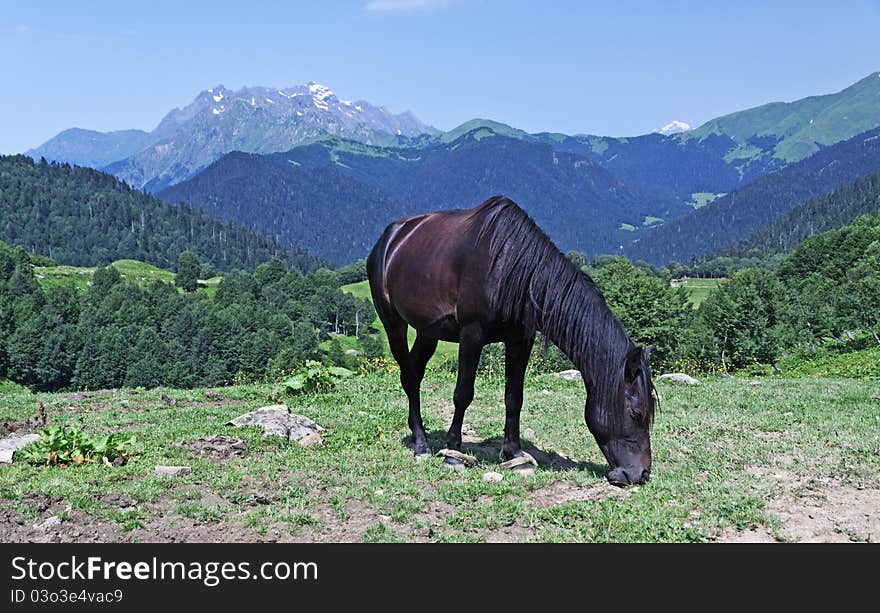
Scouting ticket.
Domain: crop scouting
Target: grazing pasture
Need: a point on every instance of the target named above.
(787, 459)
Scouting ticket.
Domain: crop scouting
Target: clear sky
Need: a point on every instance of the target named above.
(611, 68)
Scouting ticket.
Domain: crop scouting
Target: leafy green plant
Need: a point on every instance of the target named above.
(312, 378)
(62, 446)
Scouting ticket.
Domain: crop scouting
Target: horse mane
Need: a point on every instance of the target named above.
(533, 284)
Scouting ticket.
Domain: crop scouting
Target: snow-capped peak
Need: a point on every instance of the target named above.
(673, 127)
(320, 93)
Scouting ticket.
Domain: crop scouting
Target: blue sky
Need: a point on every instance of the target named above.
(615, 68)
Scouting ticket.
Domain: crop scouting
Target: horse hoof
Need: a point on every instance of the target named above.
(453, 464)
(523, 464)
(524, 469)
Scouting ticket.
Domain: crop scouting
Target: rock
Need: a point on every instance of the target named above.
(6, 456)
(351, 352)
(277, 420)
(754, 382)
(16, 442)
(49, 522)
(678, 377)
(529, 433)
(173, 470)
(569, 375)
(309, 440)
(546, 392)
(492, 477)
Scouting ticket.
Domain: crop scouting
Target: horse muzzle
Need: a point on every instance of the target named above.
(631, 475)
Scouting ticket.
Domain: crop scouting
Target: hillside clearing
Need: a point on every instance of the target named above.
(732, 461)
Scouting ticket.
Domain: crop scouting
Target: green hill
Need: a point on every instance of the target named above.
(799, 129)
(82, 217)
(132, 271)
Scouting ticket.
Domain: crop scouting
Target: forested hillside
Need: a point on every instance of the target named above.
(727, 220)
(828, 212)
(83, 217)
(334, 197)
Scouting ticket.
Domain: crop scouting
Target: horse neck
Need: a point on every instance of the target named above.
(580, 323)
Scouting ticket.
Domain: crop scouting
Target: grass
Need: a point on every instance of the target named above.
(363, 484)
(132, 271)
(698, 289)
(701, 199)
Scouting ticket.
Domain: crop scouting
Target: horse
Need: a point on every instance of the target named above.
(490, 274)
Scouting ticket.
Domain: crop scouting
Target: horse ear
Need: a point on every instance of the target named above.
(633, 363)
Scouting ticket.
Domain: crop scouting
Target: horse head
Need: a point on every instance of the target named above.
(619, 417)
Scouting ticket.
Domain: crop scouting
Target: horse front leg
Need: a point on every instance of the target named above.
(516, 358)
(470, 346)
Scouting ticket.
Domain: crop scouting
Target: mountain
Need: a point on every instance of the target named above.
(674, 127)
(335, 196)
(829, 212)
(220, 120)
(90, 148)
(791, 131)
(83, 217)
(731, 218)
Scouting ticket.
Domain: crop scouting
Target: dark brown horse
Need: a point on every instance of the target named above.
(489, 274)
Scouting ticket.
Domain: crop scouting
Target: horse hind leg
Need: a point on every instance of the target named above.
(412, 371)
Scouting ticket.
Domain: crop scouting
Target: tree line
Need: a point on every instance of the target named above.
(117, 333)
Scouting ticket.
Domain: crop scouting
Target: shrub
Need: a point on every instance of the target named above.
(62, 446)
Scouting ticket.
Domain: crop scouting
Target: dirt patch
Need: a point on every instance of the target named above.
(515, 533)
(219, 447)
(358, 517)
(752, 534)
(835, 514)
(19, 426)
(563, 492)
(56, 523)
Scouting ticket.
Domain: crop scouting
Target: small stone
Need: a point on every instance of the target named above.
(6, 456)
(309, 440)
(351, 352)
(385, 518)
(678, 377)
(546, 392)
(173, 470)
(49, 522)
(754, 382)
(529, 433)
(379, 492)
(569, 375)
(492, 477)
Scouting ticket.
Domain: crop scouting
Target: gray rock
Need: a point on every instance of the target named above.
(49, 522)
(569, 375)
(16, 442)
(277, 420)
(492, 477)
(678, 377)
(351, 352)
(172, 471)
(6, 456)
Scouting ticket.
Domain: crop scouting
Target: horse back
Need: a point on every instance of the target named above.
(427, 269)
